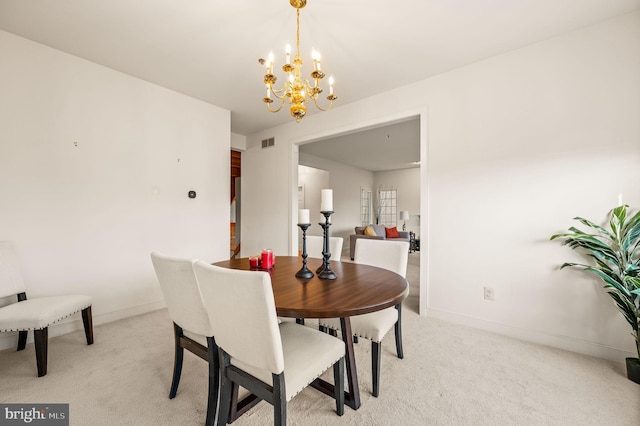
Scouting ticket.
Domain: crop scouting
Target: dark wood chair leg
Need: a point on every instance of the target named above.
(177, 362)
(22, 340)
(233, 409)
(214, 380)
(40, 339)
(227, 385)
(338, 381)
(300, 321)
(376, 358)
(398, 332)
(87, 320)
(22, 335)
(279, 400)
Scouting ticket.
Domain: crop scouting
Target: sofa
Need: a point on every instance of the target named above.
(381, 233)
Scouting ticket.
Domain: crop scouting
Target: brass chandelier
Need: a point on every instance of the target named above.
(296, 90)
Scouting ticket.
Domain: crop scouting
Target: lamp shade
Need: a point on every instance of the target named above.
(404, 215)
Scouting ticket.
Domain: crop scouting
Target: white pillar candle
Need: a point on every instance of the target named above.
(303, 216)
(326, 200)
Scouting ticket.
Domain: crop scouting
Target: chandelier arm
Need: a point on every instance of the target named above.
(275, 95)
(279, 94)
(315, 101)
(279, 108)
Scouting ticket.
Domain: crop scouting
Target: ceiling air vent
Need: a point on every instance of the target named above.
(266, 143)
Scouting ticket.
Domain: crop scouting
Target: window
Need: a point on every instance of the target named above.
(365, 206)
(386, 207)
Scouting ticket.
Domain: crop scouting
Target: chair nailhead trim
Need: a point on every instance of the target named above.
(302, 388)
(51, 323)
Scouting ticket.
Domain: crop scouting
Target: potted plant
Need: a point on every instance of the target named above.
(615, 254)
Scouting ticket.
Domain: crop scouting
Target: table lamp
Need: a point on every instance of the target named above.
(404, 215)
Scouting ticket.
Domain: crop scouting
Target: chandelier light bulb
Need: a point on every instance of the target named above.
(316, 59)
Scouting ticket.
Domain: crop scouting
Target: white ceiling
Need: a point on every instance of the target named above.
(209, 49)
(390, 147)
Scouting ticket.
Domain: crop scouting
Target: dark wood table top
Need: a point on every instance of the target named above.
(359, 289)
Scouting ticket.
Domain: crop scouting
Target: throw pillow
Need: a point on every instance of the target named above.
(369, 231)
(379, 230)
(392, 232)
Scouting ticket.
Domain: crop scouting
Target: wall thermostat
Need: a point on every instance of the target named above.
(192, 194)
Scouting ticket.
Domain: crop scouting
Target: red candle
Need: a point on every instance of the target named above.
(267, 259)
(254, 262)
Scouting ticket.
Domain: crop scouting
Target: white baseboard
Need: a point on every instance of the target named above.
(74, 323)
(561, 342)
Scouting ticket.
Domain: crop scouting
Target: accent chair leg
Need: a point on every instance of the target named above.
(40, 339)
(214, 380)
(338, 382)
(177, 362)
(22, 340)
(87, 320)
(376, 358)
(279, 400)
(398, 332)
(227, 385)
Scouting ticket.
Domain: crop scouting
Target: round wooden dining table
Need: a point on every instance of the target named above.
(358, 289)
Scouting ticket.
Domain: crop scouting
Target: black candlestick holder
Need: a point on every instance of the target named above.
(304, 272)
(325, 271)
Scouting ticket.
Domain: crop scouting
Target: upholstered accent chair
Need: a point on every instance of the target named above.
(391, 255)
(35, 314)
(273, 361)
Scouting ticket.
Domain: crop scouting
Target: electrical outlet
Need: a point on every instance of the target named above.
(489, 294)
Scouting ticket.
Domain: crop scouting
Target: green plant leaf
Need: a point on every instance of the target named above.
(594, 226)
(631, 234)
(627, 309)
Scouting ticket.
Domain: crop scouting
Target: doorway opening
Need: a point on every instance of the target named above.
(234, 225)
(352, 180)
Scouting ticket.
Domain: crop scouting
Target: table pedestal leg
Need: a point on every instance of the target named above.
(352, 397)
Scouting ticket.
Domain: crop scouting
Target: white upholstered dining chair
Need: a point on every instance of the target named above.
(391, 255)
(35, 314)
(273, 361)
(191, 326)
(315, 246)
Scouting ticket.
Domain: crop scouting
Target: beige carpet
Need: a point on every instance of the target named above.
(451, 375)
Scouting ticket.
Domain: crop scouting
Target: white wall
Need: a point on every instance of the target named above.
(407, 184)
(314, 180)
(85, 218)
(512, 148)
(238, 142)
(346, 182)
